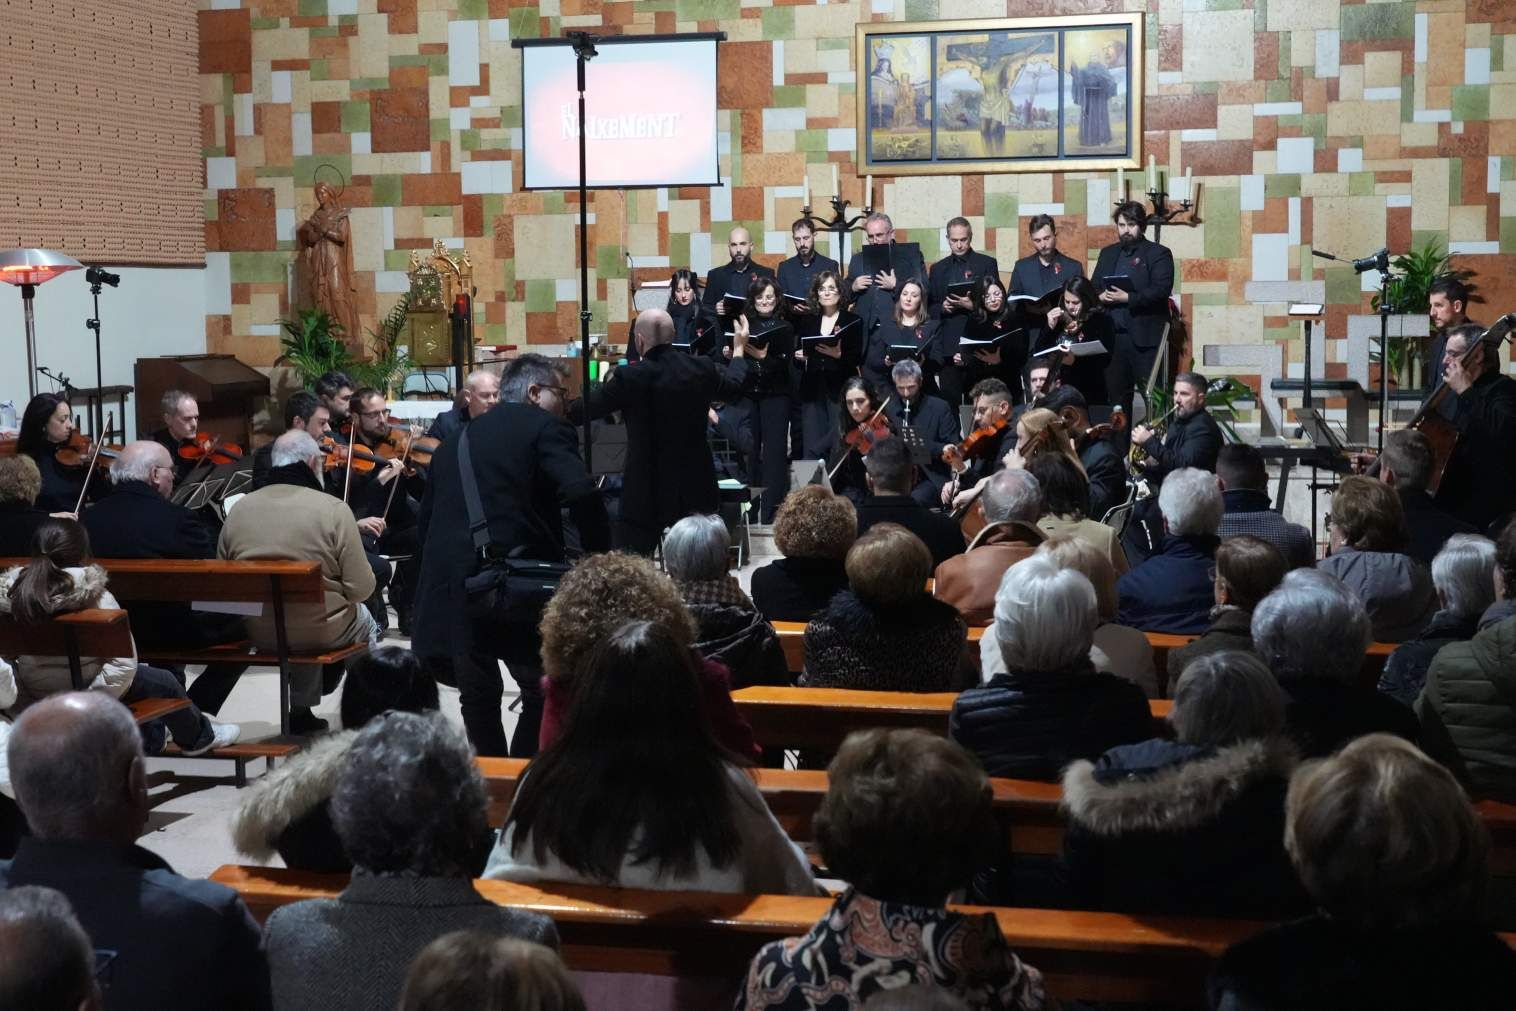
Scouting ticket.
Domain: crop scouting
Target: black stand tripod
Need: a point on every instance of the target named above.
(584, 51)
(97, 277)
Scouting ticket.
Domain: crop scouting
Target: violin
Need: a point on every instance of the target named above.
(210, 448)
(80, 451)
(980, 442)
(862, 438)
(364, 459)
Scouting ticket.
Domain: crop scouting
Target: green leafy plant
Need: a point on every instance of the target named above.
(312, 345)
(389, 363)
(1411, 278)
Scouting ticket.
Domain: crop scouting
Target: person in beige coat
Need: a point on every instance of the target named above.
(1012, 503)
(292, 518)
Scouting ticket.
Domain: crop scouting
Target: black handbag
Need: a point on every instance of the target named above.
(506, 588)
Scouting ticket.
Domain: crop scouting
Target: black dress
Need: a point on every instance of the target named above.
(1087, 375)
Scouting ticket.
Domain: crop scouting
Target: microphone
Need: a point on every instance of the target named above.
(99, 275)
(1324, 256)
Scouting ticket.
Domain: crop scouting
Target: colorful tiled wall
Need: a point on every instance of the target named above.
(1322, 124)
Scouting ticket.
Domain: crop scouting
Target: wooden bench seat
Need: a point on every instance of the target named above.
(93, 632)
(148, 710)
(240, 754)
(246, 652)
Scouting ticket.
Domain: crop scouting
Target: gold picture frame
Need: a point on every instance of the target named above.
(1000, 95)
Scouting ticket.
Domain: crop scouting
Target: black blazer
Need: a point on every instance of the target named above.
(528, 467)
(942, 536)
(795, 277)
(1151, 268)
(664, 399)
(1030, 277)
(1189, 442)
(728, 280)
(951, 270)
(852, 350)
(883, 333)
(876, 303)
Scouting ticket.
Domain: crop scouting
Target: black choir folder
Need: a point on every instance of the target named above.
(871, 259)
(987, 339)
(849, 334)
(962, 287)
(1121, 281)
(1038, 305)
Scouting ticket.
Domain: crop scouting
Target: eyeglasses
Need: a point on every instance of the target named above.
(381, 412)
(562, 391)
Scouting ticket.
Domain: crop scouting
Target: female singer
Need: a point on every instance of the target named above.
(46, 426)
(1080, 318)
(691, 319)
(909, 325)
(771, 345)
(859, 404)
(992, 318)
(828, 367)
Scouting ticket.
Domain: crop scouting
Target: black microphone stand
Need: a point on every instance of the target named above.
(93, 323)
(584, 51)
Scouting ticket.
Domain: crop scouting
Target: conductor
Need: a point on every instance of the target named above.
(664, 399)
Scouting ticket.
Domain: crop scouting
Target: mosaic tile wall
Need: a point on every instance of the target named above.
(1308, 123)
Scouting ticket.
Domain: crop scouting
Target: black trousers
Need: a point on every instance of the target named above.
(769, 468)
(952, 382)
(481, 689)
(1129, 367)
(820, 400)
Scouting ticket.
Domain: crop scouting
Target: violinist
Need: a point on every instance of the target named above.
(62, 457)
(1077, 319)
(992, 319)
(907, 325)
(303, 412)
(859, 424)
(767, 385)
(481, 391)
(829, 364)
(181, 423)
(980, 455)
(386, 518)
(1479, 485)
(335, 391)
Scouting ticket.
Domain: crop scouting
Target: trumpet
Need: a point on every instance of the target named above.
(1138, 454)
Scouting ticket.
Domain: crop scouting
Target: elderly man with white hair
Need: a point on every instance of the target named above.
(1313, 634)
(292, 518)
(1049, 706)
(1012, 502)
(1463, 574)
(1173, 591)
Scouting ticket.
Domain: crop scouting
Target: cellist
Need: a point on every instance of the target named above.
(1479, 485)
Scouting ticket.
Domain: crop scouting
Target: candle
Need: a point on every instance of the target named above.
(807, 191)
(1152, 174)
(1189, 185)
(868, 192)
(834, 179)
(1121, 184)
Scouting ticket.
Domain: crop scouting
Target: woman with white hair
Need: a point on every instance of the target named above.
(1463, 573)
(1193, 825)
(729, 628)
(1050, 706)
(1313, 634)
(1173, 590)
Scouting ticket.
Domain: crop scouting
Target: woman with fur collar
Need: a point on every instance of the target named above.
(61, 578)
(1193, 825)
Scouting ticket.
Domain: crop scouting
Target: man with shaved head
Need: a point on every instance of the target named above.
(735, 277)
(77, 769)
(665, 398)
(136, 520)
(481, 391)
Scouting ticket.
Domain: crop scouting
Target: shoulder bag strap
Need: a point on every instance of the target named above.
(478, 527)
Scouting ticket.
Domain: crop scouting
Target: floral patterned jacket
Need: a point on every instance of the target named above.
(863, 945)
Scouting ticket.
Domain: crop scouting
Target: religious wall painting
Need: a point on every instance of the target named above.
(1008, 95)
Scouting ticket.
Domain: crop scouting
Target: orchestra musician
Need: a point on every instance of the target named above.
(934, 422)
(1192, 439)
(1079, 318)
(993, 319)
(992, 416)
(181, 423)
(1139, 316)
(859, 413)
(303, 412)
(385, 515)
(1447, 304)
(907, 324)
(770, 346)
(47, 426)
(1479, 485)
(1046, 268)
(736, 276)
(952, 310)
(797, 275)
(481, 391)
(335, 391)
(827, 368)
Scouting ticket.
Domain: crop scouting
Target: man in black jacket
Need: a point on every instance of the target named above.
(890, 501)
(1447, 309)
(1479, 486)
(1193, 438)
(962, 265)
(136, 520)
(734, 277)
(304, 412)
(481, 391)
(528, 468)
(665, 399)
(77, 769)
(934, 422)
(1139, 315)
(1044, 270)
(797, 273)
(1406, 466)
(873, 294)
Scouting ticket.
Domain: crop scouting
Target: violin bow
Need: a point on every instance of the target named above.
(89, 471)
(347, 478)
(843, 458)
(410, 440)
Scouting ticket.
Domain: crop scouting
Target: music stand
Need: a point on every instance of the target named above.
(204, 492)
(1319, 431)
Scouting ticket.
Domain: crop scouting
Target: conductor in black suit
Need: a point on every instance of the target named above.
(735, 276)
(801, 270)
(528, 469)
(961, 266)
(1045, 269)
(1141, 314)
(873, 294)
(665, 399)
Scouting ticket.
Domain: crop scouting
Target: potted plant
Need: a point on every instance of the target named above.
(312, 345)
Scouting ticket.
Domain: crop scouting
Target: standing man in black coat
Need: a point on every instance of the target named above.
(136, 520)
(797, 273)
(528, 468)
(1141, 314)
(481, 391)
(1044, 270)
(665, 399)
(961, 266)
(1479, 485)
(734, 277)
(873, 294)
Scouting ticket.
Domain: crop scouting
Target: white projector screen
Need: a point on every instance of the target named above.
(650, 113)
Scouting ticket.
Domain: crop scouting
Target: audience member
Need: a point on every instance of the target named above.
(1312, 632)
(472, 971)
(1397, 864)
(1012, 501)
(889, 472)
(1245, 503)
(1172, 590)
(1406, 466)
(62, 577)
(1368, 531)
(46, 962)
(729, 629)
(1247, 569)
(288, 811)
(636, 759)
(885, 632)
(1193, 825)
(906, 822)
(1463, 574)
(20, 484)
(1467, 708)
(409, 807)
(1050, 706)
(599, 595)
(1065, 490)
(813, 530)
(1123, 651)
(293, 518)
(77, 767)
(12, 822)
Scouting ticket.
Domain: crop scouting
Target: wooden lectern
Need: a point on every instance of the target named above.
(224, 388)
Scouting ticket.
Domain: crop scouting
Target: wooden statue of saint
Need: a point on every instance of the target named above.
(324, 239)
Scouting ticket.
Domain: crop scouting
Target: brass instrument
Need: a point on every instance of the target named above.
(1138, 454)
